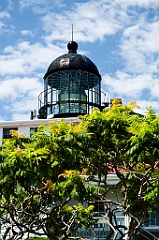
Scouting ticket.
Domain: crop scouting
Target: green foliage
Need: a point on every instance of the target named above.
(37, 238)
(41, 175)
(127, 144)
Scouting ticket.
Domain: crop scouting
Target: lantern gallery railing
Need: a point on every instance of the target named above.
(51, 102)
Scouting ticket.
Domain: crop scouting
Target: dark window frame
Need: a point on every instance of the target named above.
(6, 132)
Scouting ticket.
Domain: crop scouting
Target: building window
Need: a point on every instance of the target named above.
(98, 207)
(101, 225)
(33, 130)
(6, 132)
(153, 220)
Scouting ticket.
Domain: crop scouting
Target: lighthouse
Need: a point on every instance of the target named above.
(72, 86)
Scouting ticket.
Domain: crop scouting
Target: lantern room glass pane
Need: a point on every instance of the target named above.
(71, 91)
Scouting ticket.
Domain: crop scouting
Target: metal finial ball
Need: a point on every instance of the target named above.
(72, 46)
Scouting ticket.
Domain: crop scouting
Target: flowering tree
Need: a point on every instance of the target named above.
(43, 183)
(39, 177)
(126, 144)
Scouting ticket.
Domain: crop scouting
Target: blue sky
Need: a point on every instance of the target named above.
(121, 37)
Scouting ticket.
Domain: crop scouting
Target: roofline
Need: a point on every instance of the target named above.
(35, 122)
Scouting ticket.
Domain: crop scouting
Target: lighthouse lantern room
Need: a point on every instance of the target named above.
(72, 86)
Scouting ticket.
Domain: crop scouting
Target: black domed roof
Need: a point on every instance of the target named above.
(72, 61)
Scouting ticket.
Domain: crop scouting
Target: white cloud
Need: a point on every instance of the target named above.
(16, 88)
(144, 36)
(30, 3)
(141, 3)
(142, 88)
(92, 21)
(21, 94)
(40, 6)
(22, 68)
(4, 15)
(25, 58)
(140, 47)
(144, 104)
(27, 32)
(128, 85)
(4, 26)
(127, 3)
(7, 29)
(10, 5)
